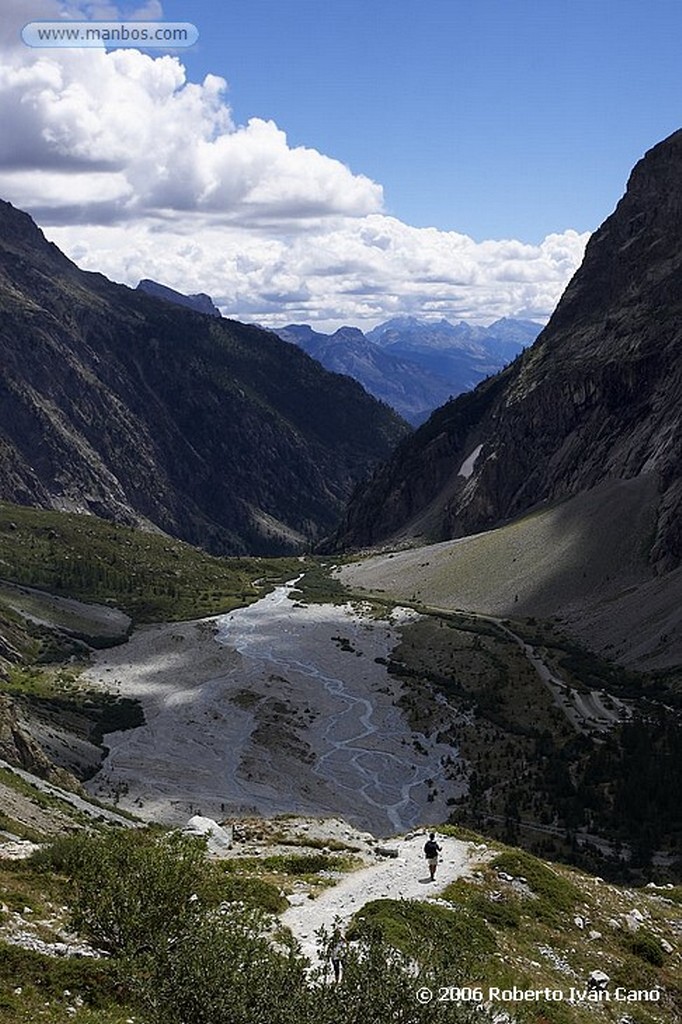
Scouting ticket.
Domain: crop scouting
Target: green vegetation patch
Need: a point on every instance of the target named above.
(254, 893)
(297, 864)
(499, 910)
(318, 586)
(97, 982)
(466, 835)
(555, 895)
(22, 885)
(428, 933)
(149, 576)
(335, 845)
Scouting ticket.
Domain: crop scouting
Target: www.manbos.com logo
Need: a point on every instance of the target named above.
(46, 34)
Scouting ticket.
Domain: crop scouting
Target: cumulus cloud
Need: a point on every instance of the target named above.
(172, 143)
(334, 273)
(137, 172)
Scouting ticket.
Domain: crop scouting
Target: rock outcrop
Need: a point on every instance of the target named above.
(200, 303)
(18, 747)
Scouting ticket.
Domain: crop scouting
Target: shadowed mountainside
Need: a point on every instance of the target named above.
(596, 398)
(121, 405)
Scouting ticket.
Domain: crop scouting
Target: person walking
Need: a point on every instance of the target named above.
(336, 952)
(431, 851)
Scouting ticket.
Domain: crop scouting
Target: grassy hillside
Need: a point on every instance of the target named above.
(521, 922)
(150, 576)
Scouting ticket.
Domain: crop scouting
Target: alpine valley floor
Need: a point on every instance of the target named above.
(279, 707)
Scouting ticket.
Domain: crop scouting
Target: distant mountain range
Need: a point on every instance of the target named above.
(416, 365)
(410, 364)
(115, 403)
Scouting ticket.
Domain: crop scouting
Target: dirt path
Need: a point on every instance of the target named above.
(403, 877)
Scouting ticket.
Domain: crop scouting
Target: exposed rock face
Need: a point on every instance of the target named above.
(114, 403)
(596, 397)
(200, 303)
(18, 748)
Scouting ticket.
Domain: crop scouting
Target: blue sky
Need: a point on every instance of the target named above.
(497, 118)
(341, 162)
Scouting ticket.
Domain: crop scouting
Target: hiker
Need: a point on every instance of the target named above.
(336, 952)
(431, 851)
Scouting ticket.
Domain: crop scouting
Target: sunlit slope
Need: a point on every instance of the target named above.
(582, 560)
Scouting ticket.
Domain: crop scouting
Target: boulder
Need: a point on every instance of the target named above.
(219, 838)
(598, 981)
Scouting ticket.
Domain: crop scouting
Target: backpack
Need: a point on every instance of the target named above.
(431, 849)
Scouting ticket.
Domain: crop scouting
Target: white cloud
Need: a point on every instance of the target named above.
(333, 273)
(171, 141)
(137, 172)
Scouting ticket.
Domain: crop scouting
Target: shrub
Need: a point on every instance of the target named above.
(224, 971)
(133, 888)
(255, 893)
(426, 933)
(646, 946)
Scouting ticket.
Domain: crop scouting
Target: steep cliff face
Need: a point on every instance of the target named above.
(125, 406)
(597, 397)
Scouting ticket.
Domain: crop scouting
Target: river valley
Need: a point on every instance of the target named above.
(277, 708)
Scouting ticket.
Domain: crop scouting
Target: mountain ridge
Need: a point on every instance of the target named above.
(415, 365)
(199, 302)
(138, 410)
(594, 398)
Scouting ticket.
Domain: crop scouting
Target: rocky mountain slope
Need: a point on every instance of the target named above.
(596, 398)
(200, 303)
(416, 365)
(118, 404)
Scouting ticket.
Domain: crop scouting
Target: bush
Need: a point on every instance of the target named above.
(134, 888)
(451, 940)
(226, 972)
(647, 947)
(255, 893)
(291, 863)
